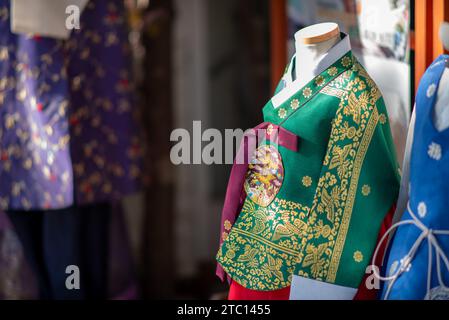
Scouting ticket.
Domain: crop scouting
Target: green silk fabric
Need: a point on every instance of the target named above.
(324, 220)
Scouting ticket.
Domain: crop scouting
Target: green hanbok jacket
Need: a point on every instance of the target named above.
(315, 211)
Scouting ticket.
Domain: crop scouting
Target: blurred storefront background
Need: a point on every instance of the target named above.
(192, 60)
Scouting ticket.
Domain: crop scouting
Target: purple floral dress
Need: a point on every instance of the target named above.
(67, 130)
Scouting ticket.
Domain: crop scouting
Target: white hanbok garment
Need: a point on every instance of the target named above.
(47, 18)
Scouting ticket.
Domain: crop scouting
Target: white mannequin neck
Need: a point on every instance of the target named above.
(311, 44)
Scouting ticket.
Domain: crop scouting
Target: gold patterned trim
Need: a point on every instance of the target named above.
(260, 239)
(358, 163)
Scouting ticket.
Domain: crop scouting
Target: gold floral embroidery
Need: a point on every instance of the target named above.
(232, 248)
(356, 105)
(332, 71)
(319, 81)
(270, 129)
(321, 230)
(350, 134)
(294, 104)
(337, 189)
(358, 256)
(307, 93)
(249, 256)
(289, 228)
(329, 202)
(263, 246)
(273, 268)
(282, 113)
(366, 190)
(328, 90)
(358, 162)
(227, 225)
(346, 61)
(224, 236)
(347, 131)
(340, 159)
(382, 118)
(314, 259)
(307, 181)
(338, 86)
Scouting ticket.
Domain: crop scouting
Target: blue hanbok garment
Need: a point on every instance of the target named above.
(417, 261)
(67, 133)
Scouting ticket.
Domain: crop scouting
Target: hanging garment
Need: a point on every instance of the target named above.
(16, 277)
(417, 263)
(310, 201)
(67, 132)
(19, 281)
(122, 277)
(55, 239)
